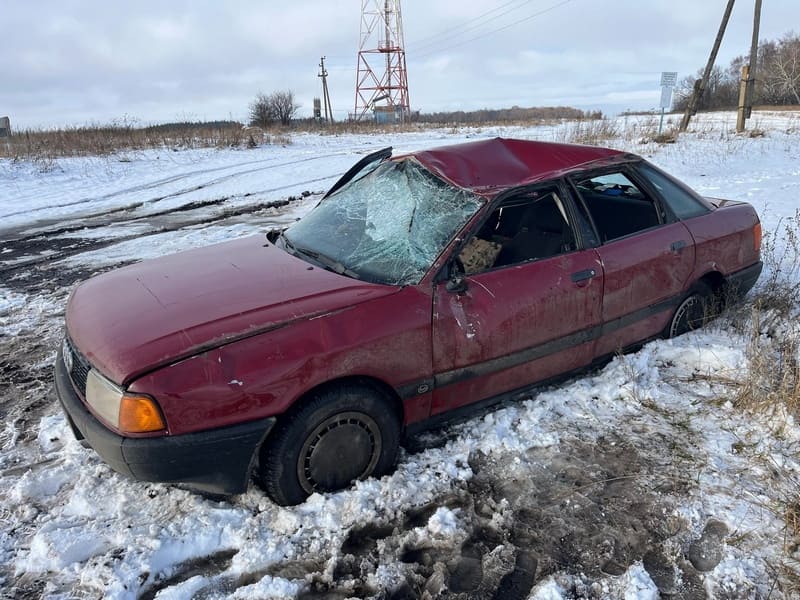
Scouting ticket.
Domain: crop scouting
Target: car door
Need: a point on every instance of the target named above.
(527, 313)
(647, 256)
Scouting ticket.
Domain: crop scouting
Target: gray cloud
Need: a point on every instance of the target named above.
(77, 61)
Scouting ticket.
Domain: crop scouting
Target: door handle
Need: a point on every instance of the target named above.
(583, 275)
(678, 246)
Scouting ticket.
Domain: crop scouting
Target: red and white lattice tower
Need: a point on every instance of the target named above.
(381, 77)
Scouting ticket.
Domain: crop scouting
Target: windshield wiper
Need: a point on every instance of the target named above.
(331, 264)
(318, 257)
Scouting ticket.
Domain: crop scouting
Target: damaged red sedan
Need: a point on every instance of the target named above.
(420, 286)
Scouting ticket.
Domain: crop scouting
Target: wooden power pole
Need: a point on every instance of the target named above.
(747, 96)
(326, 97)
(700, 87)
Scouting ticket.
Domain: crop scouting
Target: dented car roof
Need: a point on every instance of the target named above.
(490, 166)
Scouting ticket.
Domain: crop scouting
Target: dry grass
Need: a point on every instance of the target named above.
(44, 146)
(769, 321)
(777, 107)
(771, 387)
(780, 251)
(595, 132)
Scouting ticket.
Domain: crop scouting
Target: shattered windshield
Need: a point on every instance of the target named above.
(386, 226)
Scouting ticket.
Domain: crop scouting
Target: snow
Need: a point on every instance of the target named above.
(655, 425)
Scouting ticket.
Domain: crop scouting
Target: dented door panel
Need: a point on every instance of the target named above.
(645, 274)
(514, 326)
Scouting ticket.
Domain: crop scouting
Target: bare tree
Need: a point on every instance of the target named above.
(261, 113)
(283, 105)
(783, 75)
(720, 92)
(275, 107)
(777, 83)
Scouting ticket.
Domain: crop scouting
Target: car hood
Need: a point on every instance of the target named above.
(137, 318)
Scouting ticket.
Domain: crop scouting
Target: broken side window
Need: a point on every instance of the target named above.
(388, 226)
(525, 227)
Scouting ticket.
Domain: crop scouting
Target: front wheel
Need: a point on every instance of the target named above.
(695, 310)
(339, 435)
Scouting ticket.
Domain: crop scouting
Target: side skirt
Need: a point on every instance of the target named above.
(487, 405)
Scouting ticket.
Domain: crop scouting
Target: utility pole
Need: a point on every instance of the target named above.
(326, 97)
(749, 77)
(700, 86)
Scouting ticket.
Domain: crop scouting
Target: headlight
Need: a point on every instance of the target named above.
(126, 412)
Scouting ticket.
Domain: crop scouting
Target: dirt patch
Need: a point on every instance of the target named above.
(586, 509)
(205, 565)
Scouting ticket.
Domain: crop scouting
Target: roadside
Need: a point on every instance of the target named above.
(653, 476)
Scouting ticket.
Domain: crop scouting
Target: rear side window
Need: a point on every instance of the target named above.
(617, 206)
(683, 204)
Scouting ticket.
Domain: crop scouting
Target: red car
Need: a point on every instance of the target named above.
(420, 286)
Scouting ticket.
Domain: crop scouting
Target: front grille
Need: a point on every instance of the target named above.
(80, 368)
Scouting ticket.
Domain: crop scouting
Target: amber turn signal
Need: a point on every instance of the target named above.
(757, 237)
(140, 414)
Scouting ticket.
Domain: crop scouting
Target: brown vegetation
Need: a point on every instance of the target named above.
(771, 387)
(515, 114)
(97, 140)
(777, 78)
(44, 146)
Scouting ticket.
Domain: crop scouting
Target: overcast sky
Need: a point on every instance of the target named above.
(75, 62)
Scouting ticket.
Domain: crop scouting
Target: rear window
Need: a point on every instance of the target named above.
(683, 204)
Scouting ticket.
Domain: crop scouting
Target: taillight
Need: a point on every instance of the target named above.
(757, 237)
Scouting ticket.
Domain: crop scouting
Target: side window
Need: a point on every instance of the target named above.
(526, 227)
(617, 206)
(683, 204)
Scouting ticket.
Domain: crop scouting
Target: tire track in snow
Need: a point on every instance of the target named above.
(81, 224)
(174, 178)
(82, 245)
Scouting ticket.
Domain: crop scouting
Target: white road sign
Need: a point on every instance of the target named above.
(669, 79)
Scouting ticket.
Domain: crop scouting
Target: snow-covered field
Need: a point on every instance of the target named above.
(640, 480)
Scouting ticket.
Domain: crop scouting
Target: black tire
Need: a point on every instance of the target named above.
(339, 434)
(695, 310)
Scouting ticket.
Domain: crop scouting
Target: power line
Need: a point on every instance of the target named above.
(445, 33)
(493, 31)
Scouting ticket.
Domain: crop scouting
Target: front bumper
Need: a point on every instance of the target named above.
(218, 461)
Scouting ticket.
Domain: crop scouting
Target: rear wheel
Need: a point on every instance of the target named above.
(695, 310)
(338, 435)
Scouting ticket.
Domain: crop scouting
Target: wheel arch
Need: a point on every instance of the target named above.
(715, 280)
(719, 287)
(282, 452)
(383, 388)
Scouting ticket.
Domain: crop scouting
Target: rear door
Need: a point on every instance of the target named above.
(648, 257)
(527, 307)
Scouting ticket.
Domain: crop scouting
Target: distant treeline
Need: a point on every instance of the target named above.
(44, 145)
(189, 125)
(513, 114)
(777, 78)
